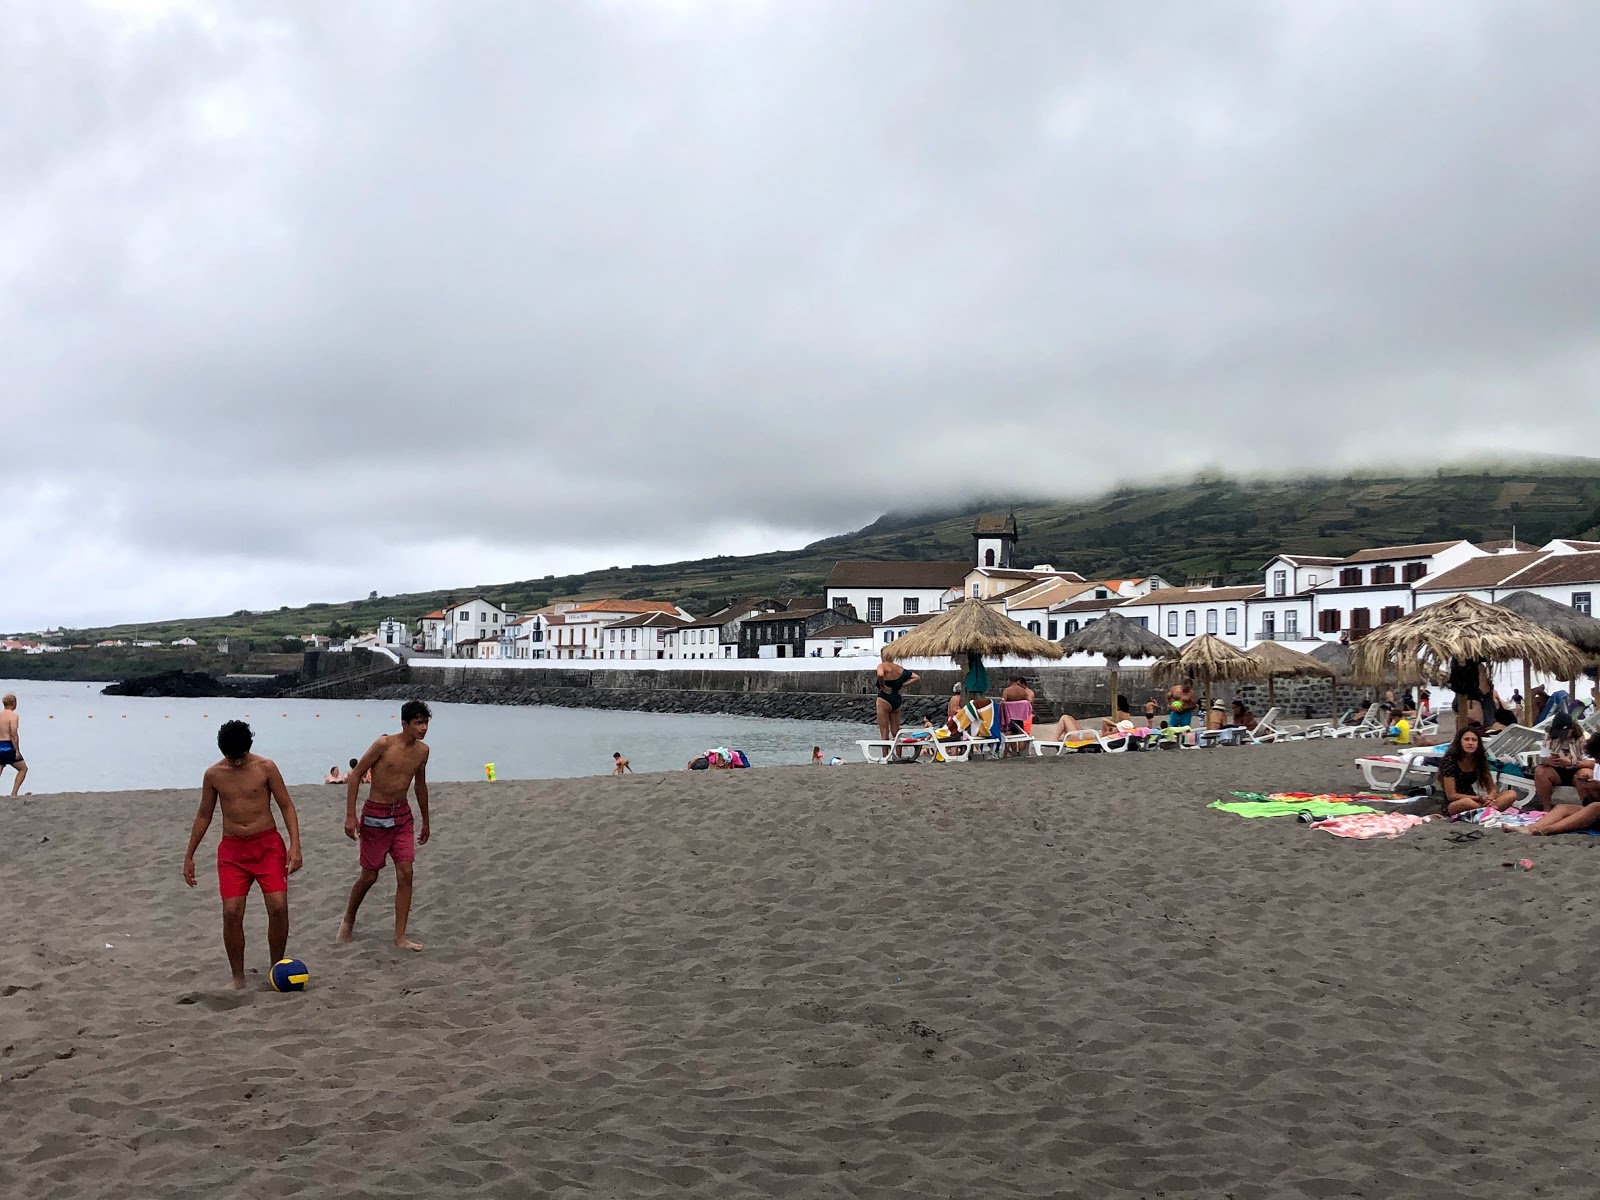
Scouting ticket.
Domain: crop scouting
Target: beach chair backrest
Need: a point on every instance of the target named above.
(976, 719)
(1513, 740)
(1268, 722)
(1015, 710)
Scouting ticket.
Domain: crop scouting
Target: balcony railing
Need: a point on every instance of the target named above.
(1282, 635)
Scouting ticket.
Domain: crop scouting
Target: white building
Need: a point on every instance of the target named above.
(876, 591)
(392, 632)
(1373, 587)
(184, 641)
(431, 631)
(469, 622)
(896, 627)
(1179, 614)
(578, 632)
(842, 641)
(651, 635)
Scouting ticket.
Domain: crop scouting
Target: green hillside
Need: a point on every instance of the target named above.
(1205, 528)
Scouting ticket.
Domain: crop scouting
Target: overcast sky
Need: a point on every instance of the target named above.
(302, 300)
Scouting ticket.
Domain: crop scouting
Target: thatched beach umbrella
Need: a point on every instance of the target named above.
(971, 630)
(1207, 658)
(1116, 637)
(1552, 616)
(1336, 657)
(1422, 647)
(1277, 661)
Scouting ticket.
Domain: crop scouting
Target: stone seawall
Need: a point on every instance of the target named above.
(845, 695)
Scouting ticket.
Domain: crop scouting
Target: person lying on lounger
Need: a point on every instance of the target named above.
(1468, 779)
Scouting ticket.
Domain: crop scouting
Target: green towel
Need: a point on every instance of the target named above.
(1280, 808)
(977, 680)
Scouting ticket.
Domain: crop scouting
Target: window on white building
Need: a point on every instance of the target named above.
(1033, 627)
(874, 610)
(1052, 635)
(1291, 623)
(465, 615)
(1188, 623)
(1312, 580)
(1211, 620)
(1232, 619)
(974, 591)
(908, 606)
(1172, 624)
(1580, 603)
(1280, 583)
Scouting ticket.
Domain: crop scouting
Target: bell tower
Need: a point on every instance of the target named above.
(995, 537)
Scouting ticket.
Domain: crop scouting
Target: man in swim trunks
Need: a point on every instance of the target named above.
(385, 828)
(1181, 705)
(10, 742)
(251, 849)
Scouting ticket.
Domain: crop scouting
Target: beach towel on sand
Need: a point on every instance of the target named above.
(1300, 797)
(1490, 819)
(1371, 825)
(1277, 808)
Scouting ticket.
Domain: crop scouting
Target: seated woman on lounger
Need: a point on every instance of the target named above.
(1568, 762)
(1119, 722)
(1467, 778)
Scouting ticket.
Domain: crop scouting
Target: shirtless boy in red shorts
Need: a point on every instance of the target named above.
(251, 849)
(385, 828)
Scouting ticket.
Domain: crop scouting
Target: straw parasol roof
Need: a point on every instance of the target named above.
(1115, 636)
(1207, 657)
(1336, 657)
(1554, 617)
(1277, 661)
(970, 628)
(1419, 647)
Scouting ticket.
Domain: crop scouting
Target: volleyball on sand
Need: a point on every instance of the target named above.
(289, 975)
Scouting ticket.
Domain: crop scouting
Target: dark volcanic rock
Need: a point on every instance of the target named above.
(169, 683)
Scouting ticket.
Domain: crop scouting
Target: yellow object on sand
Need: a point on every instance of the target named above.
(488, 772)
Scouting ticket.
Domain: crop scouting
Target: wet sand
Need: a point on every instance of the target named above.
(1032, 978)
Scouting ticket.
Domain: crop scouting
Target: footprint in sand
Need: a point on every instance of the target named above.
(216, 1002)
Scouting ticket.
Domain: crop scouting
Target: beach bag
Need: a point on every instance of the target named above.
(740, 759)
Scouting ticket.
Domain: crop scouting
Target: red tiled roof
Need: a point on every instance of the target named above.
(626, 606)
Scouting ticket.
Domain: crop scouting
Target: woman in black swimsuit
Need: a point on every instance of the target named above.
(889, 697)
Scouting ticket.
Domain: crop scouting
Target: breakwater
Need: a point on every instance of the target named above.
(816, 695)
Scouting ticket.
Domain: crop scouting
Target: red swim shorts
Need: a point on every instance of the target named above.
(259, 858)
(387, 831)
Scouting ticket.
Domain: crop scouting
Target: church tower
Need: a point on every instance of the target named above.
(996, 537)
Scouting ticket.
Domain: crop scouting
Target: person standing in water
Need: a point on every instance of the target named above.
(386, 828)
(11, 743)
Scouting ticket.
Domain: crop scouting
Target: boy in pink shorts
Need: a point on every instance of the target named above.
(385, 828)
(251, 849)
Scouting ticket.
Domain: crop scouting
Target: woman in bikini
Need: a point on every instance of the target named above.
(891, 678)
(1467, 778)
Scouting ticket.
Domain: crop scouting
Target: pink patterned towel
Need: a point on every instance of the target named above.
(1370, 825)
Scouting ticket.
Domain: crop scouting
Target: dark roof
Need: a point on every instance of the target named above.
(845, 631)
(788, 614)
(1196, 595)
(995, 525)
(1489, 571)
(859, 573)
(650, 620)
(1083, 606)
(910, 619)
(1305, 560)
(1555, 569)
(1578, 544)
(1520, 547)
(1396, 553)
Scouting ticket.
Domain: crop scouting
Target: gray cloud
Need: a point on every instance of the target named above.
(304, 299)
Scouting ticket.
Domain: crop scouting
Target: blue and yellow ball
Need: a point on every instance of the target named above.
(290, 975)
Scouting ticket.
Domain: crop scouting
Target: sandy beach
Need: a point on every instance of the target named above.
(1033, 978)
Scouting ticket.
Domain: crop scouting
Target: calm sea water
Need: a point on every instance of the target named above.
(75, 739)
